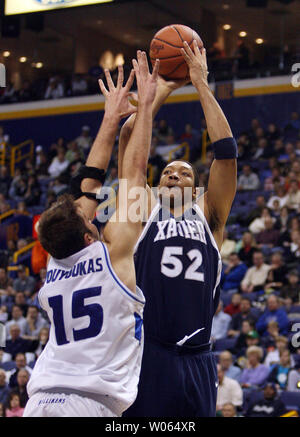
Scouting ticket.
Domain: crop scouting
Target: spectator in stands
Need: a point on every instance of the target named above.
(245, 314)
(164, 130)
(276, 180)
(24, 282)
(220, 323)
(256, 276)
(85, 140)
(16, 318)
(292, 289)
(280, 195)
(248, 248)
(273, 313)
(5, 180)
(4, 137)
(229, 369)
(21, 388)
(20, 301)
(233, 273)
(259, 224)
(4, 389)
(14, 409)
(263, 149)
(229, 410)
(33, 192)
(21, 364)
(269, 406)
(229, 390)
(282, 220)
(25, 93)
(293, 196)
(55, 89)
(79, 85)
(257, 211)
(293, 383)
(248, 337)
(16, 343)
(59, 164)
(277, 274)
(73, 151)
(5, 281)
(241, 55)
(18, 187)
(34, 323)
(268, 238)
(273, 132)
(228, 246)
(10, 94)
(255, 373)
(235, 306)
(279, 371)
(248, 180)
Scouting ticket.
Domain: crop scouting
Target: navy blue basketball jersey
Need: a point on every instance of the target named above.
(178, 267)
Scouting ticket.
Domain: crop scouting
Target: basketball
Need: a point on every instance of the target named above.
(166, 45)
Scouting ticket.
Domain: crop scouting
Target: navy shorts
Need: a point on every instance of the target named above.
(176, 381)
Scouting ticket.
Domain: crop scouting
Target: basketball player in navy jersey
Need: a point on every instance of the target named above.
(91, 363)
(178, 265)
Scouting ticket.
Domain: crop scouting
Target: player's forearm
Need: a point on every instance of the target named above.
(101, 150)
(217, 124)
(162, 94)
(137, 151)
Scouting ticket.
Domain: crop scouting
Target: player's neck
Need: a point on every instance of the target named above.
(179, 210)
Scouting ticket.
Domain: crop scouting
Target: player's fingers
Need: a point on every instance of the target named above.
(130, 80)
(136, 70)
(196, 48)
(188, 50)
(155, 70)
(110, 83)
(102, 87)
(186, 56)
(143, 62)
(120, 76)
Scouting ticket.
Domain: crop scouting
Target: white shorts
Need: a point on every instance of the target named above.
(44, 404)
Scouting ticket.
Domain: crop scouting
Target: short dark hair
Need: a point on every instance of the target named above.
(61, 229)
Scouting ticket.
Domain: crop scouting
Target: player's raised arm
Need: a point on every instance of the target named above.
(134, 163)
(117, 106)
(223, 172)
(163, 90)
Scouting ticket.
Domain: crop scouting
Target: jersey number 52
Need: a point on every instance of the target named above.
(94, 311)
(171, 258)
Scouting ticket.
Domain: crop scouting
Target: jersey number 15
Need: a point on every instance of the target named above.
(94, 311)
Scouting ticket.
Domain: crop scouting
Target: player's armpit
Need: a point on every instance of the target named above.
(220, 195)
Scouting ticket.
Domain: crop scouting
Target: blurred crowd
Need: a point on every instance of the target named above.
(252, 333)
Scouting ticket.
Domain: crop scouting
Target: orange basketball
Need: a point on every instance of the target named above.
(166, 46)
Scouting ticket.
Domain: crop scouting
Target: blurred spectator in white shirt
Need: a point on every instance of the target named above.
(55, 89)
(84, 140)
(248, 180)
(79, 85)
(59, 164)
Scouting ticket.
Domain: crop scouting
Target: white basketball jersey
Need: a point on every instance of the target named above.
(96, 333)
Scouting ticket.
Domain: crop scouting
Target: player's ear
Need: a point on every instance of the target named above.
(88, 239)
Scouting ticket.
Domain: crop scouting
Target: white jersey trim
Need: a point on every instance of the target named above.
(212, 238)
(147, 225)
(139, 297)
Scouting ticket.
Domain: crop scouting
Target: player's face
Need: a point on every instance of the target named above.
(88, 223)
(174, 179)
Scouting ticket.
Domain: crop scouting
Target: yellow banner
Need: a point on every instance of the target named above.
(13, 7)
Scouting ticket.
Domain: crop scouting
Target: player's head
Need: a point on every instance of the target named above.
(64, 228)
(177, 176)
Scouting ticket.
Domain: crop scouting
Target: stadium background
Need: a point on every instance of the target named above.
(50, 112)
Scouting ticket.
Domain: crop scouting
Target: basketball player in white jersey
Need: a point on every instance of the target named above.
(91, 363)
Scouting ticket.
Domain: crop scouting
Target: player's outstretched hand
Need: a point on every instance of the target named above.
(197, 63)
(117, 97)
(146, 82)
